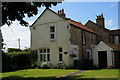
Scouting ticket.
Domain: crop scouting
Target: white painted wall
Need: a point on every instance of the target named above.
(102, 47)
(40, 36)
(73, 50)
(0, 41)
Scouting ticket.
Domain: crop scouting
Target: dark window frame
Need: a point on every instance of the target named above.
(83, 38)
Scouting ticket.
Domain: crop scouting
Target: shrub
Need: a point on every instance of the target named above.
(21, 61)
(37, 65)
(61, 66)
(33, 56)
(46, 65)
(11, 62)
(110, 67)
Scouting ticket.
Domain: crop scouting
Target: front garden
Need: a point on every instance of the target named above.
(35, 74)
(101, 74)
(24, 66)
(52, 74)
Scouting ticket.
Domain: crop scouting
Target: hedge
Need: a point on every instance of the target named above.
(11, 62)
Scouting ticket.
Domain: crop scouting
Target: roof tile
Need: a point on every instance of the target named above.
(80, 26)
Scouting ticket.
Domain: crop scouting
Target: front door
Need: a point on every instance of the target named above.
(102, 59)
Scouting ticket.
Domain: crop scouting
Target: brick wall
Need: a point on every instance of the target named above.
(103, 34)
(76, 39)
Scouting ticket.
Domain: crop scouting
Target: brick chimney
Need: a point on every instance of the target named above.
(61, 12)
(100, 21)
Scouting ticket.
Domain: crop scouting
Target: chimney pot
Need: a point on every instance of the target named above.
(58, 11)
(62, 10)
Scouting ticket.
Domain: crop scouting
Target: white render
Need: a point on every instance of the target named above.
(0, 41)
(40, 36)
(103, 47)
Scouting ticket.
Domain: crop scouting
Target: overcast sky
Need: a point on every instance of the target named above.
(78, 11)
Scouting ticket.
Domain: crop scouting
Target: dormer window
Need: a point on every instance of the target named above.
(52, 32)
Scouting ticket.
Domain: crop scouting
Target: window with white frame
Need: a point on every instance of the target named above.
(60, 54)
(44, 54)
(52, 32)
(88, 55)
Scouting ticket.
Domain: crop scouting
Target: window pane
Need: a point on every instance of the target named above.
(35, 51)
(52, 29)
(40, 57)
(83, 38)
(44, 50)
(119, 39)
(48, 50)
(40, 51)
(44, 57)
(60, 49)
(48, 57)
(52, 36)
(88, 55)
(60, 57)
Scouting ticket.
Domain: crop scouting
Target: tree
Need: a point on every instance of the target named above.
(12, 11)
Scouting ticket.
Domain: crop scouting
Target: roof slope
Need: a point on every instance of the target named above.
(115, 32)
(79, 25)
(113, 46)
(89, 21)
(51, 11)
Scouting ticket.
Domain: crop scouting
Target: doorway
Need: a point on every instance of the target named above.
(102, 59)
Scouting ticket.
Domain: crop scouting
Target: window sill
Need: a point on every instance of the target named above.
(52, 40)
(60, 61)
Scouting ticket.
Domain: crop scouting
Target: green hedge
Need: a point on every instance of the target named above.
(11, 62)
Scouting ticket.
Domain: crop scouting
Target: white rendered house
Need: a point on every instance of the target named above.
(51, 37)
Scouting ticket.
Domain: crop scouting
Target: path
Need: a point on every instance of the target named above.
(66, 77)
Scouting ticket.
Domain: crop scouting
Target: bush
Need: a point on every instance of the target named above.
(11, 62)
(21, 61)
(110, 67)
(46, 65)
(37, 65)
(13, 50)
(6, 62)
(61, 66)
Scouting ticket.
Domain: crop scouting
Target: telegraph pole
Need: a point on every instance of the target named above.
(19, 43)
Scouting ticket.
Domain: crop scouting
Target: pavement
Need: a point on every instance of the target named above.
(66, 77)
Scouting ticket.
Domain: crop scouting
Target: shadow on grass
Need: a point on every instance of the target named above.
(79, 78)
(54, 78)
(27, 78)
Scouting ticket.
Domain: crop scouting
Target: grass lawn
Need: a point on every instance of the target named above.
(51, 74)
(102, 74)
(35, 74)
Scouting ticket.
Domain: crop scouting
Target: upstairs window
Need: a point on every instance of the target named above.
(52, 32)
(94, 40)
(119, 39)
(83, 38)
(52, 29)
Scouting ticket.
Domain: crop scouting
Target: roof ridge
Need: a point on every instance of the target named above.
(98, 26)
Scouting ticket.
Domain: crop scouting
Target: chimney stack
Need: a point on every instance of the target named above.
(61, 12)
(100, 21)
